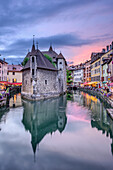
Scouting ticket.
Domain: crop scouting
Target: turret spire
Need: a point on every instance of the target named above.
(50, 48)
(33, 46)
(37, 45)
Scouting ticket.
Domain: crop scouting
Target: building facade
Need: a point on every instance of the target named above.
(105, 57)
(78, 76)
(14, 73)
(3, 70)
(95, 66)
(87, 71)
(104, 78)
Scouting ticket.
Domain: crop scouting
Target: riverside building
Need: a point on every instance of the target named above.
(40, 78)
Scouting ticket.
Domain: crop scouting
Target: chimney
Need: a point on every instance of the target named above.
(110, 47)
(107, 47)
(103, 50)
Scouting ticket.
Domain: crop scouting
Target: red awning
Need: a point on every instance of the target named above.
(9, 83)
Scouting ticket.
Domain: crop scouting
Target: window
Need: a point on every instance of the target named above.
(13, 73)
(45, 81)
(7, 73)
(14, 80)
(60, 62)
(32, 72)
(32, 59)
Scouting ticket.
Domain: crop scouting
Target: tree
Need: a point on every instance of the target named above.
(50, 59)
(25, 61)
(69, 77)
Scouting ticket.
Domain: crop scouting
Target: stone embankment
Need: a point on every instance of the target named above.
(108, 102)
(33, 97)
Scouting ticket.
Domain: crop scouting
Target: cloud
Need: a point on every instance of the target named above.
(20, 47)
(21, 13)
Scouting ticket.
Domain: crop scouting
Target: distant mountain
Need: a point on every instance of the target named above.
(14, 60)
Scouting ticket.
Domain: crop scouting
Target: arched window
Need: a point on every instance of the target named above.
(32, 59)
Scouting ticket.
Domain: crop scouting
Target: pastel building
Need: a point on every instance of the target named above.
(103, 63)
(87, 71)
(95, 67)
(3, 70)
(14, 73)
(78, 76)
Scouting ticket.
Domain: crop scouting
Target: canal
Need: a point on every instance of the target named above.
(72, 132)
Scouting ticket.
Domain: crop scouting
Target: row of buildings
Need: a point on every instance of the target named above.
(11, 73)
(98, 70)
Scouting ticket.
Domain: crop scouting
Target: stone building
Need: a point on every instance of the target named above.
(61, 63)
(40, 78)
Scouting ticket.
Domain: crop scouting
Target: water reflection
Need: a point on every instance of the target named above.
(15, 101)
(99, 116)
(44, 117)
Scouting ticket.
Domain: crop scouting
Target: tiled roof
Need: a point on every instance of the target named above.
(60, 56)
(14, 67)
(2, 61)
(42, 61)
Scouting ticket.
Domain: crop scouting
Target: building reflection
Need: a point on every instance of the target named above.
(99, 116)
(44, 117)
(15, 101)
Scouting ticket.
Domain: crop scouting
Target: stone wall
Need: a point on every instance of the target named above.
(62, 75)
(47, 81)
(26, 82)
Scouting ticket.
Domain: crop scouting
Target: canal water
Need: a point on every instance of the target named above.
(72, 132)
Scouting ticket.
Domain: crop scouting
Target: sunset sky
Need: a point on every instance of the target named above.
(74, 27)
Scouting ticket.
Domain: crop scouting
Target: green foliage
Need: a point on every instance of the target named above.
(7, 91)
(50, 59)
(69, 96)
(69, 77)
(69, 81)
(25, 61)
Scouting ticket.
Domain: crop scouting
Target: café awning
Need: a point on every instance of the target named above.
(93, 82)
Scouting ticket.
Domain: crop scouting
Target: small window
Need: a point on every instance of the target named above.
(13, 73)
(32, 72)
(32, 59)
(45, 81)
(60, 69)
(60, 62)
(7, 73)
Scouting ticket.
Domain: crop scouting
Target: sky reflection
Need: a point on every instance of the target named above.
(77, 146)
